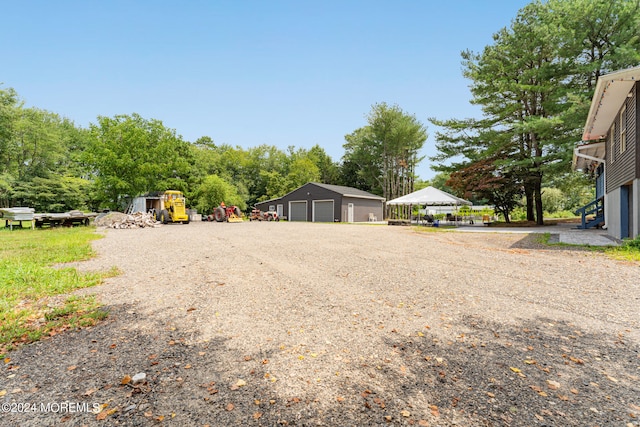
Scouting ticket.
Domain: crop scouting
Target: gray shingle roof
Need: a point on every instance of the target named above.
(348, 191)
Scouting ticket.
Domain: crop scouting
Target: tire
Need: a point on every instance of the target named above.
(186, 222)
(219, 214)
(237, 211)
(164, 216)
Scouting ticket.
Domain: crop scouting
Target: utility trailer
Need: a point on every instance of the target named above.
(67, 219)
(15, 216)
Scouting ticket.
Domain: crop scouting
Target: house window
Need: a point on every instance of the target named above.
(623, 129)
(612, 142)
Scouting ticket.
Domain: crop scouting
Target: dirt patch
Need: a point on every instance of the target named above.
(333, 324)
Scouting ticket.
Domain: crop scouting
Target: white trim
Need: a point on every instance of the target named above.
(611, 92)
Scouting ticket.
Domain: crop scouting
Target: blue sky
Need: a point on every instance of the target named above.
(248, 72)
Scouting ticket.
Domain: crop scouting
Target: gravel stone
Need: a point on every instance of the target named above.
(336, 324)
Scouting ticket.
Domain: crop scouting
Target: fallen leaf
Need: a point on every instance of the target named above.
(241, 383)
(187, 366)
(610, 378)
(90, 392)
(71, 368)
(125, 380)
(340, 399)
(257, 415)
(574, 391)
(490, 394)
(152, 356)
(7, 360)
(538, 390)
(553, 385)
(101, 416)
(247, 358)
(576, 360)
(516, 370)
(423, 423)
(434, 410)
(530, 362)
(160, 418)
(563, 397)
(229, 407)
(405, 413)
(388, 418)
(3, 392)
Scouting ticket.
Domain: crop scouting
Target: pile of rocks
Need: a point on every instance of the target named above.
(121, 220)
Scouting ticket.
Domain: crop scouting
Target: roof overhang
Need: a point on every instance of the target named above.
(586, 155)
(360, 196)
(611, 91)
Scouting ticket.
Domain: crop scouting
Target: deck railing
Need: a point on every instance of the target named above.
(594, 208)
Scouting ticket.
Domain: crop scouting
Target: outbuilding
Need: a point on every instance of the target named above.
(316, 202)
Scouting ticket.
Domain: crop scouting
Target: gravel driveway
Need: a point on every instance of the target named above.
(333, 324)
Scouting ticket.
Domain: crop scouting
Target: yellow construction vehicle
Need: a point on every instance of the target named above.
(172, 208)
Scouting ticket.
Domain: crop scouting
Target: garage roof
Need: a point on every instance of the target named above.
(348, 191)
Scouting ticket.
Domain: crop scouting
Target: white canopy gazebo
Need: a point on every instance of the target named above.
(429, 196)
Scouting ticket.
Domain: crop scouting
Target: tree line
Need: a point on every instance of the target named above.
(52, 165)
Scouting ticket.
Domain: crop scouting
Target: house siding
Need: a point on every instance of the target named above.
(362, 208)
(623, 167)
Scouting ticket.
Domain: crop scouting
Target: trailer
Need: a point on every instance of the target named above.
(67, 219)
(16, 216)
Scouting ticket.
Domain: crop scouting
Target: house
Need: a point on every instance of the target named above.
(610, 150)
(316, 202)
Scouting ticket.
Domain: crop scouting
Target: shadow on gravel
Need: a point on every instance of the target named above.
(541, 373)
(533, 241)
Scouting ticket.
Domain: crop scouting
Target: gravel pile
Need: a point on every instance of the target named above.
(265, 323)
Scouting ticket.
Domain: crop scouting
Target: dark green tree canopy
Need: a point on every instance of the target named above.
(534, 84)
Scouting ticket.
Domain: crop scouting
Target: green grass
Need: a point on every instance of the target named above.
(628, 251)
(30, 305)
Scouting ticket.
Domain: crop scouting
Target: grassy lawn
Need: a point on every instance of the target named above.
(33, 300)
(628, 251)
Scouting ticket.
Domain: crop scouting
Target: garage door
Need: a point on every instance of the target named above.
(323, 211)
(298, 211)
